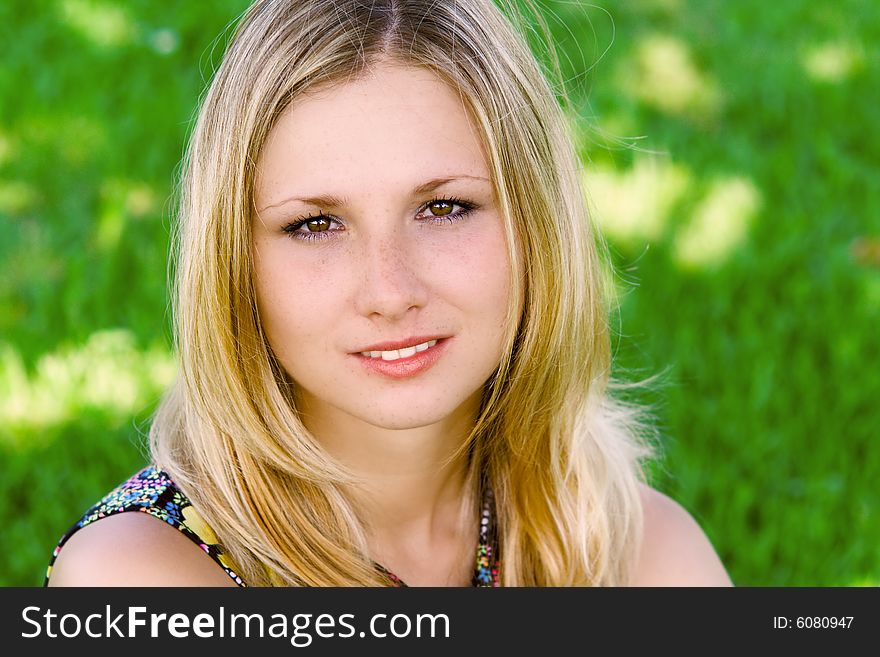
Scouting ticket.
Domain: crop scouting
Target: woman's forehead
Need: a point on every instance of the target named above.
(388, 123)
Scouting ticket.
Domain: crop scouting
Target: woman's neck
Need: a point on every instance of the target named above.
(416, 497)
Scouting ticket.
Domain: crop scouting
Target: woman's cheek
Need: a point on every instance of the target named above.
(290, 302)
(471, 254)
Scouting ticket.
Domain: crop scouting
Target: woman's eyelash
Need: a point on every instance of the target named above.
(466, 208)
(293, 228)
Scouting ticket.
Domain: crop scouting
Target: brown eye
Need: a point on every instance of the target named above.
(318, 224)
(441, 208)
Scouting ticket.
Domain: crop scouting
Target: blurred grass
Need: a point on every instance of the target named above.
(732, 165)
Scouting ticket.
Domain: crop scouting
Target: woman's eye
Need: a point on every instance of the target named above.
(318, 225)
(311, 228)
(440, 211)
(441, 208)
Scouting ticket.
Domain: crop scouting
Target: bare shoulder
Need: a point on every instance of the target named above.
(675, 549)
(134, 549)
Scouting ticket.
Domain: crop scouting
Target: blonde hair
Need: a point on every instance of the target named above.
(563, 458)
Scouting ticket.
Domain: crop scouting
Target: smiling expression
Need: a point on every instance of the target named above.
(380, 256)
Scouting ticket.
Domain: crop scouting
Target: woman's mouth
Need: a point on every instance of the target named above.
(404, 362)
(397, 354)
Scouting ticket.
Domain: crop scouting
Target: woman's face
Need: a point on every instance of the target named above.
(381, 264)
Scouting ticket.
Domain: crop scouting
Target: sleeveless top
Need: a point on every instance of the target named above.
(152, 491)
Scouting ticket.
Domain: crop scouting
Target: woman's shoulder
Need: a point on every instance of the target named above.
(133, 549)
(143, 533)
(675, 550)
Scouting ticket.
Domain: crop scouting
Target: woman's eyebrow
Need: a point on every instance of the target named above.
(331, 201)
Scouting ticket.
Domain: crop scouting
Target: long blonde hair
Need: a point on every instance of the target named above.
(562, 457)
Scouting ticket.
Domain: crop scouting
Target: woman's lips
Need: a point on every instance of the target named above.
(404, 368)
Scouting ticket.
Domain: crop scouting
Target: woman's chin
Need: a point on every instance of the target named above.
(398, 419)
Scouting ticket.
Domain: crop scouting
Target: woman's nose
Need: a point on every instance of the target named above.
(391, 284)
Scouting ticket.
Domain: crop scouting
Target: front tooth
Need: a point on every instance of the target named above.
(399, 353)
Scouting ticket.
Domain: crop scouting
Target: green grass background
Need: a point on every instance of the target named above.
(732, 160)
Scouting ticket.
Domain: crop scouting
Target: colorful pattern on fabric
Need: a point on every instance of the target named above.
(152, 491)
(487, 571)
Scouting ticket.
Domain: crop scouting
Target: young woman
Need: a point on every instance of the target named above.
(393, 340)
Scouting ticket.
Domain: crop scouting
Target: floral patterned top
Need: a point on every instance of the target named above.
(152, 491)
